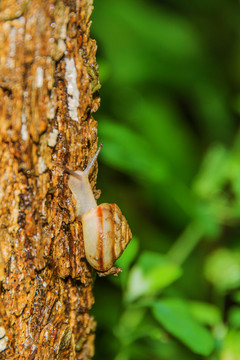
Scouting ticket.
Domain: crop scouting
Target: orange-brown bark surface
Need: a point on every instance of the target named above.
(48, 77)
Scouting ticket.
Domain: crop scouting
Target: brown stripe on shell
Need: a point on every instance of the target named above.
(112, 233)
(100, 238)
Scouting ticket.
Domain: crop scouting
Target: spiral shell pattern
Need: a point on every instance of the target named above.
(106, 234)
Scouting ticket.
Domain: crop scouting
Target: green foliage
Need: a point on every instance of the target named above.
(171, 160)
(207, 314)
(174, 315)
(231, 346)
(150, 275)
(222, 268)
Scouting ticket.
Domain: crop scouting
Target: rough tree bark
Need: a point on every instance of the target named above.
(48, 83)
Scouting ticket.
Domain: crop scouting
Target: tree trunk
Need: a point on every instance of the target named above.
(48, 82)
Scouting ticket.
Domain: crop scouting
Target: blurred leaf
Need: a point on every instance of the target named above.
(151, 274)
(133, 329)
(127, 151)
(135, 155)
(185, 243)
(207, 218)
(160, 123)
(130, 324)
(207, 314)
(213, 173)
(231, 346)
(129, 254)
(216, 205)
(222, 268)
(133, 29)
(174, 315)
(234, 317)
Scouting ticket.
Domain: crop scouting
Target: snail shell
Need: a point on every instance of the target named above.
(105, 230)
(106, 234)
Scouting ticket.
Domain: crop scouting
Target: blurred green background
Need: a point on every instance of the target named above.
(169, 121)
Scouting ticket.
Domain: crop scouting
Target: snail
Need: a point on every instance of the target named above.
(106, 232)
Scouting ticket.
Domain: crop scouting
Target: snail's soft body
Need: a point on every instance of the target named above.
(82, 192)
(105, 230)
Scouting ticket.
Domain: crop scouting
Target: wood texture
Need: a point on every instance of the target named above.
(48, 82)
